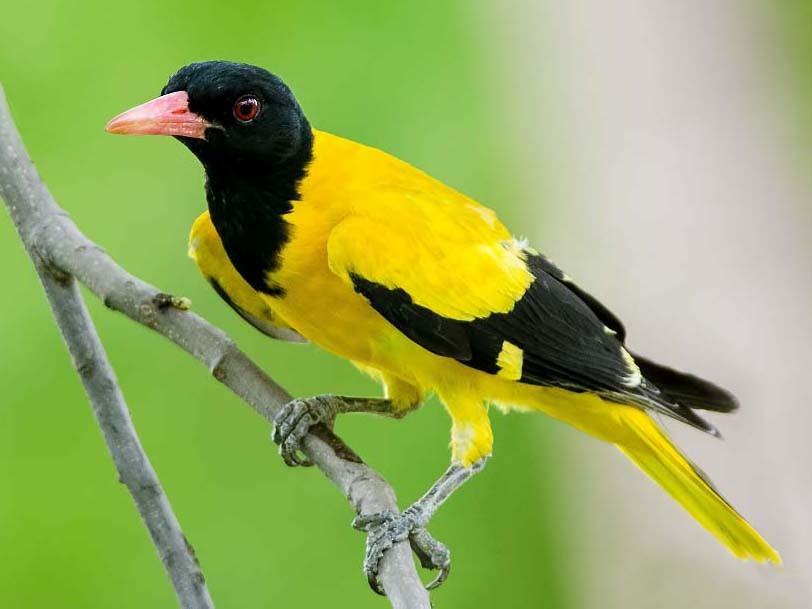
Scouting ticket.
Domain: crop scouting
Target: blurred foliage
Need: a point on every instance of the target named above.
(406, 77)
(795, 56)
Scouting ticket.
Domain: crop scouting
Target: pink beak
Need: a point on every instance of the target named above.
(165, 115)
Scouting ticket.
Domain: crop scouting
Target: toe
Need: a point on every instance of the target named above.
(290, 426)
(287, 456)
(287, 419)
(378, 542)
(279, 422)
(365, 522)
(289, 450)
(293, 443)
(384, 530)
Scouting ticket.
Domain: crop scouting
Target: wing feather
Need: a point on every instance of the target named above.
(447, 274)
(465, 293)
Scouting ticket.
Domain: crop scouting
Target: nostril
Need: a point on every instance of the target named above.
(180, 111)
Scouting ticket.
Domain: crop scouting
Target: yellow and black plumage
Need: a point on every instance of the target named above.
(311, 236)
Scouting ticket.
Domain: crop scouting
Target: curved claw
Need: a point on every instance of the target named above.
(385, 529)
(292, 424)
(371, 523)
(289, 451)
(440, 579)
(432, 554)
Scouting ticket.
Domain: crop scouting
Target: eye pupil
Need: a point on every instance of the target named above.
(246, 108)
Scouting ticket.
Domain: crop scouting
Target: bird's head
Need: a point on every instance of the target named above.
(232, 116)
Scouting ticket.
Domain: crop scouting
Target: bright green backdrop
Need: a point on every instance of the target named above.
(409, 77)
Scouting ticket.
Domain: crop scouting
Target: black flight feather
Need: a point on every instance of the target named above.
(687, 389)
(564, 344)
(568, 340)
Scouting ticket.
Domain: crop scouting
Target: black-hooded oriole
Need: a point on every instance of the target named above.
(312, 236)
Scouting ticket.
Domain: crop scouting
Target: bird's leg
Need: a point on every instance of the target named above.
(295, 419)
(387, 528)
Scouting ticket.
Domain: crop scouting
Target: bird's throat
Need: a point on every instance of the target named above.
(248, 210)
(253, 230)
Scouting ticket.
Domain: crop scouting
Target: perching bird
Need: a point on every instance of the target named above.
(309, 236)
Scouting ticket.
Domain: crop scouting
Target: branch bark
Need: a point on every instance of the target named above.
(56, 245)
(133, 466)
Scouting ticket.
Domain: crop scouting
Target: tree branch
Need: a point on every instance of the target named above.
(52, 239)
(132, 463)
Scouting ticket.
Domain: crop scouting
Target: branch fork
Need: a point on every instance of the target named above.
(62, 255)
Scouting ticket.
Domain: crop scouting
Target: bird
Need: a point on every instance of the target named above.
(312, 237)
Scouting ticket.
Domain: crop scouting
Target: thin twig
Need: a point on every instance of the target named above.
(133, 466)
(45, 229)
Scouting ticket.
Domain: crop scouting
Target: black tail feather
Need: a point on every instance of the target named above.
(684, 414)
(686, 389)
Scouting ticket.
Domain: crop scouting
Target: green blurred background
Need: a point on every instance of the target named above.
(440, 84)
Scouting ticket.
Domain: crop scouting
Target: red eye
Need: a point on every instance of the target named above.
(246, 108)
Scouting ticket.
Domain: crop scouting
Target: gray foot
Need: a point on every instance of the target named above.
(293, 422)
(385, 529)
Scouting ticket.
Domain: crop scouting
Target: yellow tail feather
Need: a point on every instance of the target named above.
(659, 458)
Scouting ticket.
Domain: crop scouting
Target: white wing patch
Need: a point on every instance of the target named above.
(635, 377)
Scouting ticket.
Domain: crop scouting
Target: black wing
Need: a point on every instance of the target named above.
(567, 339)
(677, 387)
(563, 341)
(608, 318)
